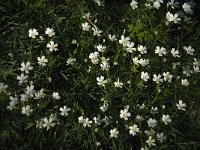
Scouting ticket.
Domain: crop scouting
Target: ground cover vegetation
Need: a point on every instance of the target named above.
(113, 74)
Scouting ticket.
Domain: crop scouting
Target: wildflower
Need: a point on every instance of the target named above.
(144, 76)
(136, 61)
(161, 137)
(124, 40)
(99, 2)
(26, 110)
(175, 53)
(142, 49)
(160, 51)
(144, 62)
(151, 141)
(85, 26)
(94, 57)
(166, 119)
(104, 107)
(114, 133)
(118, 84)
(112, 37)
(189, 50)
(87, 122)
(26, 67)
(134, 4)
(52, 46)
(187, 8)
(101, 48)
(96, 31)
(104, 64)
(13, 102)
(33, 33)
(173, 4)
(101, 81)
(188, 20)
(196, 69)
(185, 82)
(133, 129)
(50, 32)
(167, 77)
(30, 90)
(24, 97)
(186, 70)
(40, 94)
(22, 78)
(130, 48)
(173, 18)
(3, 87)
(64, 110)
(56, 95)
(71, 61)
(152, 122)
(81, 119)
(42, 61)
(48, 123)
(156, 4)
(124, 114)
(157, 78)
(180, 105)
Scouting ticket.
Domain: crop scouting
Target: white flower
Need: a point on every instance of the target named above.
(185, 82)
(3, 87)
(33, 33)
(136, 61)
(26, 110)
(52, 46)
(85, 26)
(104, 64)
(118, 84)
(173, 18)
(56, 95)
(50, 32)
(187, 8)
(22, 78)
(26, 67)
(186, 70)
(142, 49)
(144, 62)
(99, 2)
(175, 53)
(196, 69)
(64, 110)
(173, 4)
(112, 37)
(144, 76)
(24, 97)
(124, 114)
(81, 119)
(189, 50)
(101, 48)
(130, 48)
(161, 137)
(151, 141)
(101, 81)
(42, 61)
(71, 61)
(48, 123)
(134, 4)
(160, 51)
(180, 105)
(157, 78)
(96, 31)
(104, 107)
(188, 20)
(152, 122)
(87, 122)
(124, 40)
(156, 4)
(30, 90)
(40, 94)
(114, 133)
(166, 119)
(133, 129)
(13, 102)
(167, 77)
(94, 57)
